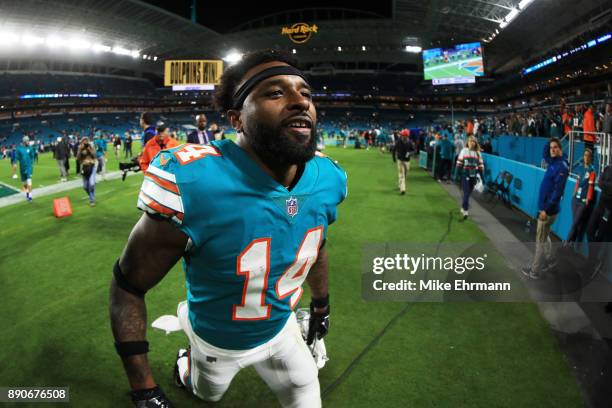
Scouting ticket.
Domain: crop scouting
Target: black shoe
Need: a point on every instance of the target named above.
(402, 192)
(552, 266)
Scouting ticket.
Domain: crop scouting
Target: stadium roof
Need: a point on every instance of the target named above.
(132, 24)
(156, 31)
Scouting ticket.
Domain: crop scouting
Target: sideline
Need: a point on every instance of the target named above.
(586, 351)
(566, 317)
(57, 188)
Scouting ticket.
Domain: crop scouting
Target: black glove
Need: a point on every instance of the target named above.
(151, 398)
(318, 324)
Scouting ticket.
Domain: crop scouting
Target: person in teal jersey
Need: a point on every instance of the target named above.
(101, 147)
(250, 221)
(446, 149)
(25, 155)
(584, 197)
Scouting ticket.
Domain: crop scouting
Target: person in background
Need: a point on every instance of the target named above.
(13, 158)
(218, 134)
(446, 156)
(555, 129)
(607, 120)
(62, 154)
(117, 145)
(75, 150)
(577, 119)
(100, 145)
(469, 129)
(459, 145)
(163, 140)
(551, 192)
(435, 154)
(87, 157)
(35, 147)
(566, 119)
(584, 197)
(25, 157)
(147, 122)
(402, 150)
(127, 145)
(200, 136)
(588, 127)
(470, 164)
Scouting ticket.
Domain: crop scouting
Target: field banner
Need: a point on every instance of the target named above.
(192, 72)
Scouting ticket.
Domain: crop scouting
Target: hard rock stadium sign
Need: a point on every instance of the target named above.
(299, 33)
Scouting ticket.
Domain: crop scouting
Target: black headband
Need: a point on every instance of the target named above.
(246, 88)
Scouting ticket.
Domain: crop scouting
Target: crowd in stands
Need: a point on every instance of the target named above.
(547, 122)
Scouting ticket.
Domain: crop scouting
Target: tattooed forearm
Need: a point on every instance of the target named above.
(128, 315)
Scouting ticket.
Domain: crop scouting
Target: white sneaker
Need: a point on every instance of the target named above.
(14, 176)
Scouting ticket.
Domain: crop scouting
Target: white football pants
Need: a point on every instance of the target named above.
(284, 363)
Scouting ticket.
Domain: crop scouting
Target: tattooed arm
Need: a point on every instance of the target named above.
(154, 246)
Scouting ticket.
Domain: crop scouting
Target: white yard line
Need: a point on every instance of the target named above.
(55, 188)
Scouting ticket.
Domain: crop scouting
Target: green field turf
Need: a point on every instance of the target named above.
(55, 275)
(46, 171)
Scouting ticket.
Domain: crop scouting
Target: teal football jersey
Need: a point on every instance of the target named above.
(252, 241)
(25, 157)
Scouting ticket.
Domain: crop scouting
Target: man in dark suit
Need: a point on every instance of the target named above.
(147, 123)
(200, 135)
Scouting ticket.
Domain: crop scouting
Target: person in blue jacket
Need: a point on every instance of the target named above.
(551, 192)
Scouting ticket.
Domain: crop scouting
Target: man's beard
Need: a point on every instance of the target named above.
(277, 150)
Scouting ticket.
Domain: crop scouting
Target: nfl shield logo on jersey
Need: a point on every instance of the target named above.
(292, 206)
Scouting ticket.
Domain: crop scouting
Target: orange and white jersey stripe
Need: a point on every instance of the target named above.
(160, 194)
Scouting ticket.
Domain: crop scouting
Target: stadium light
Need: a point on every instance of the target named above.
(231, 58)
(121, 51)
(512, 14)
(294, 51)
(30, 40)
(155, 58)
(363, 48)
(101, 48)
(55, 41)
(414, 49)
(8, 38)
(76, 43)
(524, 3)
(339, 48)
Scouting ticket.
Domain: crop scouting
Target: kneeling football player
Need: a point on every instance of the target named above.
(249, 220)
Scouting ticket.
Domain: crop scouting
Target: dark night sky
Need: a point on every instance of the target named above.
(222, 18)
